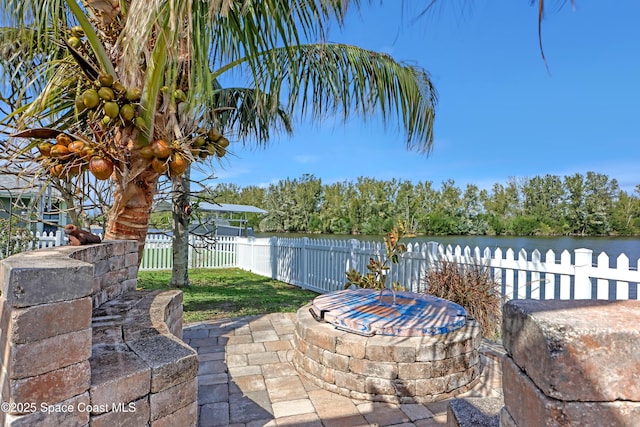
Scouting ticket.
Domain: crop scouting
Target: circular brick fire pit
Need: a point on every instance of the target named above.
(398, 348)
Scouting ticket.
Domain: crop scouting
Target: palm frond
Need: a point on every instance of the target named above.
(323, 79)
(243, 113)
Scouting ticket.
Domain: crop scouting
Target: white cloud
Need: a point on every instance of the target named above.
(305, 159)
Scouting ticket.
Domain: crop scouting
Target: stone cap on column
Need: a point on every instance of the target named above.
(582, 350)
(45, 276)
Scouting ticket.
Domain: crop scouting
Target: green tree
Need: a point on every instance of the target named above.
(333, 214)
(599, 193)
(625, 217)
(165, 59)
(447, 215)
(543, 201)
(307, 192)
(474, 220)
(576, 213)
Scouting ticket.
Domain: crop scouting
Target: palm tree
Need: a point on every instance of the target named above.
(153, 64)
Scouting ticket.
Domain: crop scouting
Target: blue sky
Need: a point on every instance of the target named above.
(501, 113)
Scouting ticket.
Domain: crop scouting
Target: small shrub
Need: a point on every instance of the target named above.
(376, 276)
(473, 288)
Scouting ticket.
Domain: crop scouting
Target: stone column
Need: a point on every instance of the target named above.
(571, 363)
(46, 338)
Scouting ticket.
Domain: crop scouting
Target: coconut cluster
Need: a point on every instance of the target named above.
(66, 158)
(106, 104)
(209, 143)
(109, 101)
(165, 157)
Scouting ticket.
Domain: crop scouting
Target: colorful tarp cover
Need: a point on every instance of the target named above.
(371, 312)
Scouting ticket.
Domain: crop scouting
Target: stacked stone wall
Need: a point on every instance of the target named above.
(65, 362)
(571, 363)
(385, 368)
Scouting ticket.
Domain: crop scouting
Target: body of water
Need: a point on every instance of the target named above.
(612, 246)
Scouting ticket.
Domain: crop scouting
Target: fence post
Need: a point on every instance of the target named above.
(58, 238)
(432, 254)
(190, 251)
(273, 254)
(583, 264)
(352, 258)
(303, 253)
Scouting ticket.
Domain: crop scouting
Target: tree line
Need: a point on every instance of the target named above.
(591, 204)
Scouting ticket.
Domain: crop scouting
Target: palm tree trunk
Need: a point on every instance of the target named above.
(129, 215)
(180, 210)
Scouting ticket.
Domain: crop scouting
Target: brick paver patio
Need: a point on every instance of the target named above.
(246, 379)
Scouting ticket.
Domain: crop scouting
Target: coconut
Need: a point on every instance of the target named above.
(106, 93)
(198, 142)
(177, 165)
(76, 147)
(90, 98)
(58, 151)
(105, 80)
(45, 148)
(77, 31)
(111, 109)
(101, 167)
(87, 152)
(56, 170)
(63, 139)
(74, 42)
(133, 94)
(117, 87)
(211, 149)
(146, 152)
(161, 149)
(140, 124)
(127, 112)
(179, 95)
(214, 134)
(158, 166)
(79, 104)
(221, 151)
(223, 142)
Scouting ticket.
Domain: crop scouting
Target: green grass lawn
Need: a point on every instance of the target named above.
(229, 292)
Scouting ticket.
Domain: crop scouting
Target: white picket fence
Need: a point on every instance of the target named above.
(204, 252)
(320, 264)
